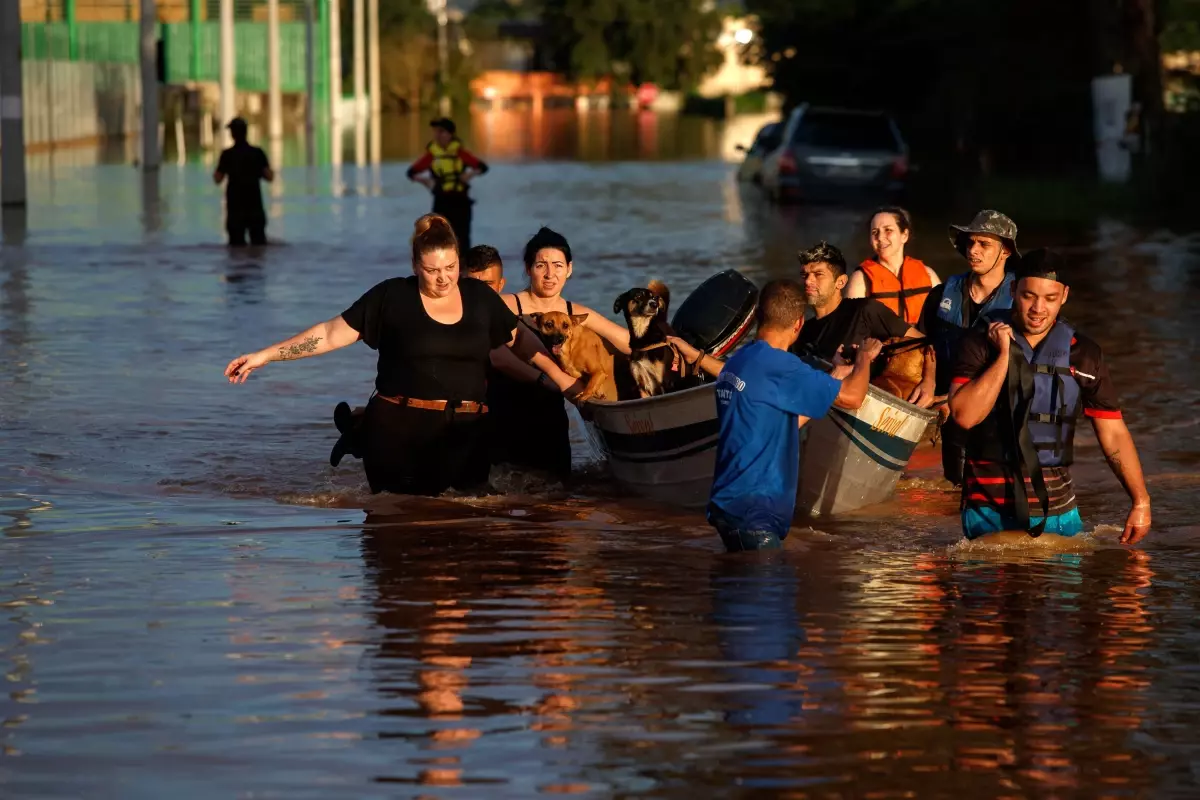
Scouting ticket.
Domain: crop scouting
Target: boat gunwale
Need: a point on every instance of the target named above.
(620, 405)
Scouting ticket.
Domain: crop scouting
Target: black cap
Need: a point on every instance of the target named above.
(237, 123)
(445, 123)
(1042, 263)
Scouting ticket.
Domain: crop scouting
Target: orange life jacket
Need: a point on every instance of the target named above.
(904, 294)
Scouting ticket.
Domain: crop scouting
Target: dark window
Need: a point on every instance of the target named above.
(768, 138)
(846, 131)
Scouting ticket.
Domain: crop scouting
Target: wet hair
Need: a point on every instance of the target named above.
(432, 232)
(481, 257)
(541, 240)
(781, 304)
(824, 253)
(903, 219)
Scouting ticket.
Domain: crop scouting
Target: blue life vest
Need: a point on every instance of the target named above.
(1057, 401)
(953, 311)
(1053, 412)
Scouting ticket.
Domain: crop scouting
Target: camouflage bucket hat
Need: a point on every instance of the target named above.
(990, 222)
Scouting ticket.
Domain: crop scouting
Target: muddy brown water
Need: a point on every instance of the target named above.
(196, 605)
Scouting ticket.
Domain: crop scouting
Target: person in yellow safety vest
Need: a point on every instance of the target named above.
(446, 169)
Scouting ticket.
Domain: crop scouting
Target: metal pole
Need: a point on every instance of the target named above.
(310, 71)
(228, 69)
(360, 57)
(373, 57)
(335, 63)
(194, 31)
(148, 27)
(274, 94)
(12, 117)
(443, 59)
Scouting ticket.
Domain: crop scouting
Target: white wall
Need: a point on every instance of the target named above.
(75, 101)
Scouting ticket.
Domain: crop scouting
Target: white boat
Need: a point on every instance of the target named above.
(664, 448)
(852, 459)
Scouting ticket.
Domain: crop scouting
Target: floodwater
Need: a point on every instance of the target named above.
(196, 605)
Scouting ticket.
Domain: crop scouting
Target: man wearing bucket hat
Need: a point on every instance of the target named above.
(243, 165)
(987, 243)
(446, 168)
(1018, 391)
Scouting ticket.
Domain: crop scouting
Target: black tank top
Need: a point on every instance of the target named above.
(526, 320)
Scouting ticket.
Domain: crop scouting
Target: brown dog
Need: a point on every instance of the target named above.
(580, 351)
(903, 372)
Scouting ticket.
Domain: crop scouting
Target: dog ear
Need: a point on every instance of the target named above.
(578, 318)
(622, 302)
(536, 318)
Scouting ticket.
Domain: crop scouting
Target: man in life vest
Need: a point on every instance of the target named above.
(1018, 389)
(893, 277)
(446, 169)
(962, 302)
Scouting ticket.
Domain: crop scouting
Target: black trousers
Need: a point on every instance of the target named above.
(456, 207)
(238, 226)
(414, 451)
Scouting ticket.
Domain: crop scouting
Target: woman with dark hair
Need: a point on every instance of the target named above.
(898, 281)
(540, 439)
(423, 427)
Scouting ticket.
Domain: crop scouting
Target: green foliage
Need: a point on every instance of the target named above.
(668, 42)
(1181, 25)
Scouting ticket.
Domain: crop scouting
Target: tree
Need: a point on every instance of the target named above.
(668, 42)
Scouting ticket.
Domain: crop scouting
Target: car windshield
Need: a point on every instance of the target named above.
(847, 131)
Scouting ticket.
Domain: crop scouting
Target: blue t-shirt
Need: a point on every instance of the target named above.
(760, 393)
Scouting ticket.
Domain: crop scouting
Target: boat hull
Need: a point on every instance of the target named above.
(852, 459)
(663, 448)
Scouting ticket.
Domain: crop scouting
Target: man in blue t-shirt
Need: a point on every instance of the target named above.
(764, 396)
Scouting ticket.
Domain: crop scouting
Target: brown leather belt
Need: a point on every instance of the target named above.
(464, 407)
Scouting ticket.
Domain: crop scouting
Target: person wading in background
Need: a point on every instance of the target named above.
(243, 166)
(450, 168)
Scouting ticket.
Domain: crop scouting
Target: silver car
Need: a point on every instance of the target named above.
(837, 154)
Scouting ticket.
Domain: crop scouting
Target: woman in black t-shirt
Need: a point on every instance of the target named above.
(423, 427)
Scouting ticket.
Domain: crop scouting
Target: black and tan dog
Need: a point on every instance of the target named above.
(580, 352)
(655, 365)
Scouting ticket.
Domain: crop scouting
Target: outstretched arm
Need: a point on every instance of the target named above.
(698, 358)
(1121, 454)
(854, 387)
(615, 334)
(321, 338)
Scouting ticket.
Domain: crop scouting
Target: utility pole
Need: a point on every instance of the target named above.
(148, 51)
(228, 70)
(438, 9)
(310, 69)
(335, 64)
(274, 94)
(373, 87)
(360, 57)
(12, 117)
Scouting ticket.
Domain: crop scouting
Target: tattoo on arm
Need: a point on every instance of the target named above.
(1114, 460)
(305, 348)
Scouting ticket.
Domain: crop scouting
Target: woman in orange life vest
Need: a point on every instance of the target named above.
(898, 281)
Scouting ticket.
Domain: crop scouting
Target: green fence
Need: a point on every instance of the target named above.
(117, 42)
